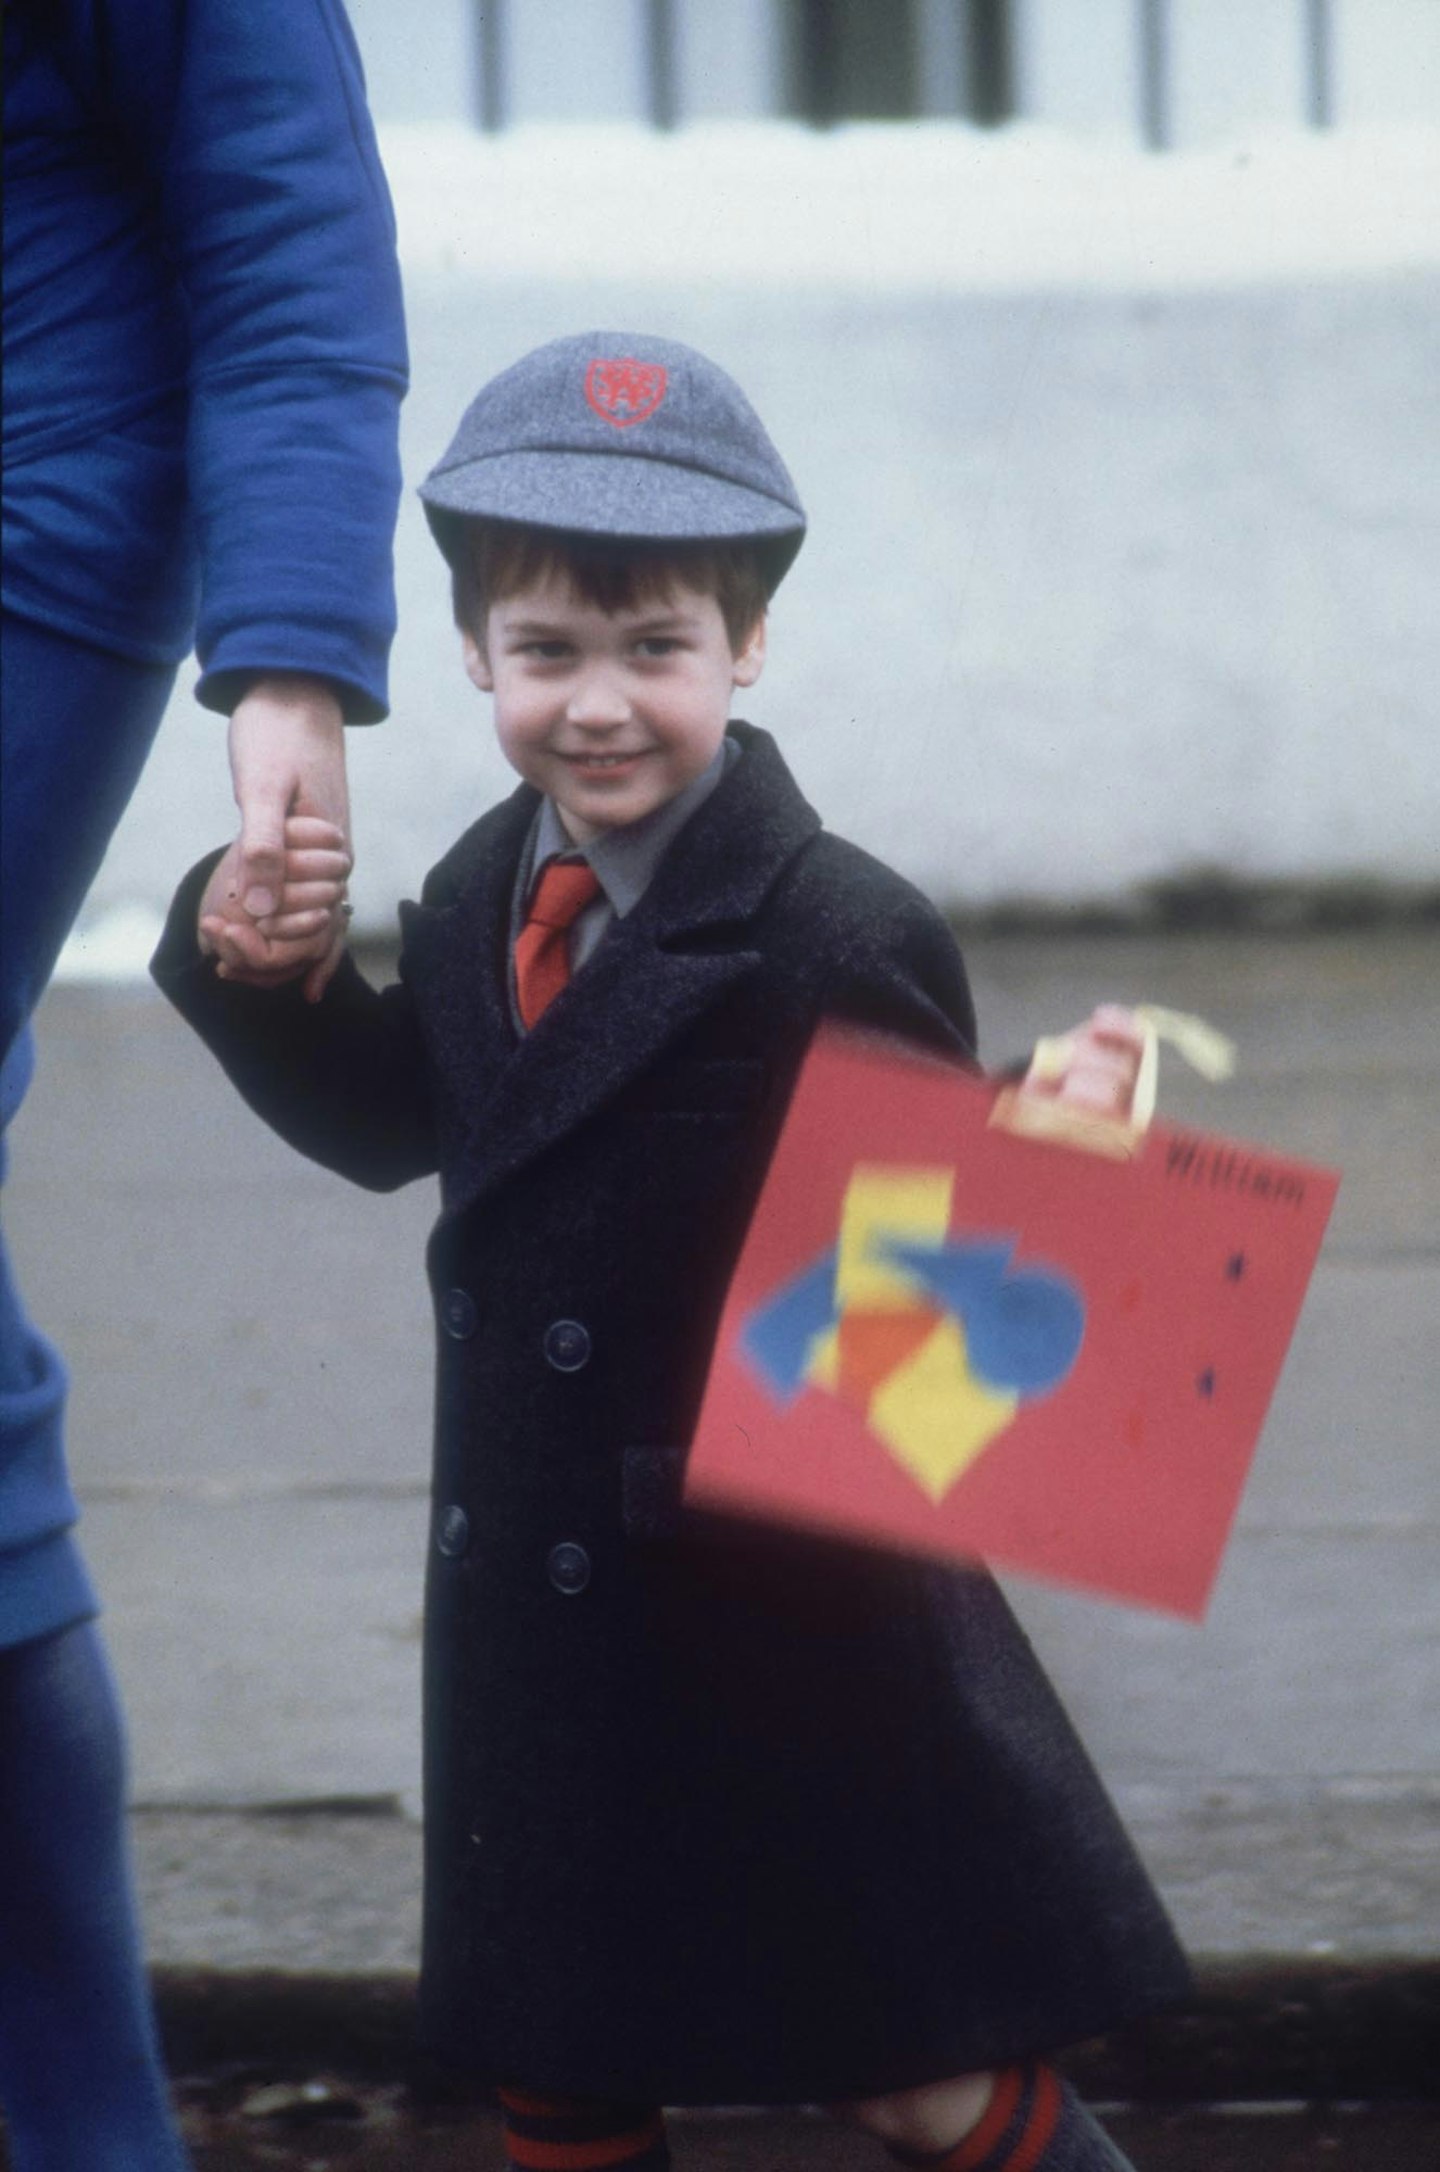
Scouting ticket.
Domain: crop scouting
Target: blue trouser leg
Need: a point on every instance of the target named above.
(80, 2074)
(77, 725)
(80, 2077)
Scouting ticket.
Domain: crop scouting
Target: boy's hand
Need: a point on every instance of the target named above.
(305, 934)
(1093, 1067)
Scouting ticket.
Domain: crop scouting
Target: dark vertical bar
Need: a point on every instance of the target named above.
(1153, 32)
(662, 63)
(490, 44)
(941, 61)
(1320, 63)
(991, 62)
(815, 48)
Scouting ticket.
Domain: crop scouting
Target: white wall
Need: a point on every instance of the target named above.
(1387, 60)
(1121, 470)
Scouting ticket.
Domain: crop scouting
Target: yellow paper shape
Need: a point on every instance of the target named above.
(934, 1416)
(885, 1202)
(822, 1366)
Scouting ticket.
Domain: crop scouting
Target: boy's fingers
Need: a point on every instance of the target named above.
(318, 979)
(1100, 1087)
(1112, 1022)
(240, 946)
(248, 950)
(1114, 1057)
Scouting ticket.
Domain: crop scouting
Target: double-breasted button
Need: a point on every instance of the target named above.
(569, 1567)
(458, 1315)
(567, 1345)
(452, 1532)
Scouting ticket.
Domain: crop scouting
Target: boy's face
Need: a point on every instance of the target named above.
(611, 714)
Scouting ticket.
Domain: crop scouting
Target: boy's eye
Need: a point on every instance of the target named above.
(658, 645)
(545, 652)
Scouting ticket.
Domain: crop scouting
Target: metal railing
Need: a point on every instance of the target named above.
(1163, 72)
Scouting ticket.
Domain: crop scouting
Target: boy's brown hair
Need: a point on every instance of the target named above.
(492, 560)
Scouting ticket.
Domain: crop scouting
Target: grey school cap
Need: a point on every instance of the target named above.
(616, 434)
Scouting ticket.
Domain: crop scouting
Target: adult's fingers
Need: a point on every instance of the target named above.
(301, 897)
(287, 754)
(304, 832)
(327, 867)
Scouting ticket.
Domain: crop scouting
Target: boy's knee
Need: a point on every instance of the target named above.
(923, 2122)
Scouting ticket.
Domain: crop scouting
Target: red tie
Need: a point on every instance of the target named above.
(542, 948)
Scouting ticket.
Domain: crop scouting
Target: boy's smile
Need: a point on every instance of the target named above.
(609, 713)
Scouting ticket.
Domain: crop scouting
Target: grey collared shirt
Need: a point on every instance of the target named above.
(622, 860)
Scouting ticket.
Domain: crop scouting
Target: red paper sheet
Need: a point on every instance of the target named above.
(948, 1339)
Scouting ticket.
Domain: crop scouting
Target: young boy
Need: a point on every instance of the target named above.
(715, 1813)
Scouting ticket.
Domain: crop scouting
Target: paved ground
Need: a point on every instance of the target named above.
(384, 2134)
(249, 1435)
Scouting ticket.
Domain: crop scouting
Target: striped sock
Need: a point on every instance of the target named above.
(1034, 2123)
(570, 2134)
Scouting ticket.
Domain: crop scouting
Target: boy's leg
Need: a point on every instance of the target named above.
(574, 2134)
(1019, 2119)
(80, 2073)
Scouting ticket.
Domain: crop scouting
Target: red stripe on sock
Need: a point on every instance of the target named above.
(1040, 2126)
(605, 2150)
(973, 2152)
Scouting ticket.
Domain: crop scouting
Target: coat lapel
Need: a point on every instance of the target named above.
(656, 970)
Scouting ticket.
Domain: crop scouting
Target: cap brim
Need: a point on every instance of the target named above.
(625, 496)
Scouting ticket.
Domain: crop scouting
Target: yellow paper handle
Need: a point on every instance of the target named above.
(1205, 1050)
(1203, 1047)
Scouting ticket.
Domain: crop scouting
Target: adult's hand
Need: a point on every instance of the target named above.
(287, 744)
(287, 757)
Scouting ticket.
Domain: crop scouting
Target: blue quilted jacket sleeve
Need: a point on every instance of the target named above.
(246, 123)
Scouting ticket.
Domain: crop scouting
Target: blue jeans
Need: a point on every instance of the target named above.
(80, 2072)
(80, 2076)
(77, 726)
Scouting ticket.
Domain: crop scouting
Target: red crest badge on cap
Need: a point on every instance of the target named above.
(625, 391)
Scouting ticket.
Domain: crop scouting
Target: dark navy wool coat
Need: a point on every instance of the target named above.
(713, 1812)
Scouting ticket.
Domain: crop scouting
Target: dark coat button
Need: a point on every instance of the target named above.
(569, 1567)
(452, 1532)
(458, 1315)
(567, 1345)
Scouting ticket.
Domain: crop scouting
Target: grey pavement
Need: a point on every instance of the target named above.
(249, 1434)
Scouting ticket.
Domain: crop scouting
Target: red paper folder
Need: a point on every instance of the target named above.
(950, 1339)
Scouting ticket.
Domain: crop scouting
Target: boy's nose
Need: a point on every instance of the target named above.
(599, 700)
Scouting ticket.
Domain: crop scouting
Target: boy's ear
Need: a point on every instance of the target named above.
(477, 663)
(750, 660)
